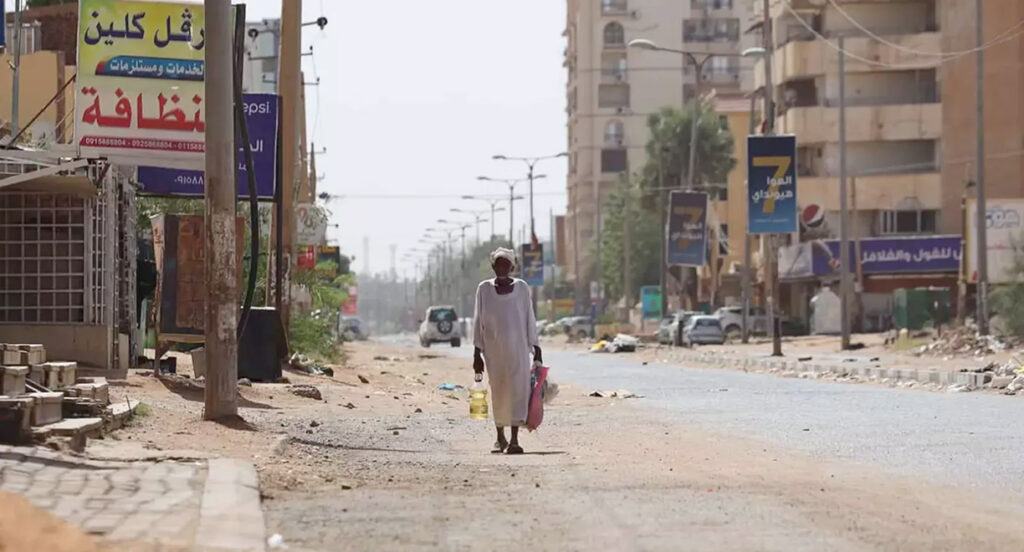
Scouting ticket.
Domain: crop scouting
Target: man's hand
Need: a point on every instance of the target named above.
(478, 362)
(537, 356)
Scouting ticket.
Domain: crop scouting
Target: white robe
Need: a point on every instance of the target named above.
(505, 330)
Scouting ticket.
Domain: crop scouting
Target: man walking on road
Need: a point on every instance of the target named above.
(505, 331)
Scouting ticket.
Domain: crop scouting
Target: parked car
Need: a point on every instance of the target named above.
(351, 328)
(703, 330)
(665, 336)
(440, 325)
(579, 327)
(731, 319)
(675, 329)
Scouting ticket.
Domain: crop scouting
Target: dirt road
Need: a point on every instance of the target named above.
(396, 464)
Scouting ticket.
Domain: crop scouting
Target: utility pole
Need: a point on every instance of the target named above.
(220, 395)
(16, 70)
(771, 263)
(747, 254)
(981, 216)
(289, 86)
(627, 237)
(844, 213)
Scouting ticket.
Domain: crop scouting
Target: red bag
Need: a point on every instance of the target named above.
(535, 415)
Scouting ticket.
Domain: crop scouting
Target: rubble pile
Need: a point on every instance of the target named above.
(965, 341)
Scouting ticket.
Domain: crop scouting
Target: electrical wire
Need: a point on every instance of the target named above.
(902, 48)
(830, 44)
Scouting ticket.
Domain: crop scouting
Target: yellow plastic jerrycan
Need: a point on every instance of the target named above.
(478, 398)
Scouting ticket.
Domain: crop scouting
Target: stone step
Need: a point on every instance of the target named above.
(78, 429)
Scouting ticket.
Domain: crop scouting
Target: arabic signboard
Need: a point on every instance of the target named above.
(912, 255)
(1004, 237)
(771, 185)
(650, 301)
(140, 92)
(533, 264)
(261, 121)
(687, 241)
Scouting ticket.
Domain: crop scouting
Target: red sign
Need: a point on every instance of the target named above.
(307, 257)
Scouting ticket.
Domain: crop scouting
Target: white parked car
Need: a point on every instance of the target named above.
(731, 319)
(441, 325)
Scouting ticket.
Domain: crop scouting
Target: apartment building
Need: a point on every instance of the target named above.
(893, 109)
(611, 90)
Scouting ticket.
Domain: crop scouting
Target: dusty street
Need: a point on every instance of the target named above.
(707, 460)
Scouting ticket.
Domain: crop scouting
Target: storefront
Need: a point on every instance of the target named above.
(880, 266)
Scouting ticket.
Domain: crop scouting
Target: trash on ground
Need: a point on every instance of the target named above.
(966, 340)
(276, 542)
(363, 379)
(620, 394)
(450, 387)
(622, 343)
(307, 391)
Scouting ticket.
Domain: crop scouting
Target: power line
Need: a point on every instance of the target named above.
(902, 48)
(867, 61)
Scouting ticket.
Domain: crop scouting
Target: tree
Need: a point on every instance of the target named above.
(645, 244)
(668, 149)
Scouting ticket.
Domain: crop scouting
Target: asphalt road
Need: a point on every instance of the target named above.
(967, 439)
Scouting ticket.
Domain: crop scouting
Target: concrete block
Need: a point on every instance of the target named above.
(66, 373)
(32, 353)
(10, 355)
(12, 380)
(45, 374)
(1000, 382)
(46, 408)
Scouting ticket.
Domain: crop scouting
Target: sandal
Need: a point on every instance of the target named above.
(515, 449)
(498, 447)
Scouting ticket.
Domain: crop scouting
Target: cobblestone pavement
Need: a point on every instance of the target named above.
(155, 502)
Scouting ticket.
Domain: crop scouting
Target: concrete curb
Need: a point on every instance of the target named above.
(872, 372)
(231, 516)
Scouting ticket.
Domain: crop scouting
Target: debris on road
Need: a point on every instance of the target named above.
(450, 387)
(620, 394)
(622, 343)
(363, 379)
(276, 542)
(307, 391)
(965, 341)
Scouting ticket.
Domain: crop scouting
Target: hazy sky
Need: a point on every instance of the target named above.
(415, 98)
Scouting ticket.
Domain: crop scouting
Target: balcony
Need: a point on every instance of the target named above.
(800, 59)
(864, 123)
(874, 192)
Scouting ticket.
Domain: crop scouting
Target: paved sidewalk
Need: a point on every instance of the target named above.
(165, 504)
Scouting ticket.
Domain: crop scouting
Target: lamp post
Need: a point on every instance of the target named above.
(531, 163)
(494, 206)
(511, 183)
(478, 217)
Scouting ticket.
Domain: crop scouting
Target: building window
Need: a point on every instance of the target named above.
(711, 29)
(614, 134)
(614, 160)
(613, 95)
(908, 222)
(614, 35)
(613, 6)
(711, 4)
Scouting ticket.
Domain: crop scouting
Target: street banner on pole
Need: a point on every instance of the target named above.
(687, 241)
(532, 260)
(3, 24)
(261, 121)
(311, 225)
(771, 185)
(140, 92)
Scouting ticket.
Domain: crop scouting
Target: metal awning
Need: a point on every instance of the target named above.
(46, 171)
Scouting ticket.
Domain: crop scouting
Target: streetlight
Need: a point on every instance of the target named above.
(494, 206)
(531, 162)
(478, 217)
(511, 183)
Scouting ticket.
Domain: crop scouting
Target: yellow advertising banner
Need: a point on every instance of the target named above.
(140, 91)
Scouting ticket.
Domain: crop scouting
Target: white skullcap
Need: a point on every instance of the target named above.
(502, 253)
